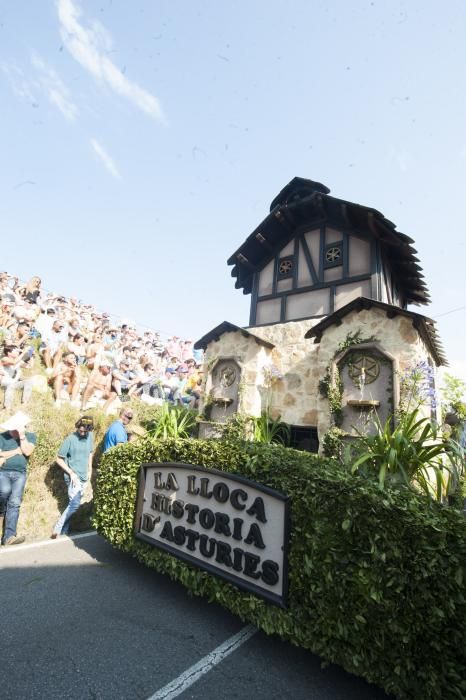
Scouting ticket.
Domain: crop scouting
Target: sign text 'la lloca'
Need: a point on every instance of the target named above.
(221, 522)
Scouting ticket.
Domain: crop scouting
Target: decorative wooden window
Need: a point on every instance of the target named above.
(285, 267)
(333, 254)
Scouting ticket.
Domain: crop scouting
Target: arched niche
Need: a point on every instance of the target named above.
(369, 386)
(225, 377)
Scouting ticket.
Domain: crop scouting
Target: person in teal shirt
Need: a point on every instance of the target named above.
(75, 458)
(16, 446)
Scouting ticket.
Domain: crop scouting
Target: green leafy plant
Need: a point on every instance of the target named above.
(409, 454)
(456, 483)
(173, 422)
(332, 389)
(333, 444)
(417, 388)
(453, 391)
(453, 406)
(267, 430)
(239, 428)
(355, 338)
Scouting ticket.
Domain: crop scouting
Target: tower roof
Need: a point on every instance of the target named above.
(305, 202)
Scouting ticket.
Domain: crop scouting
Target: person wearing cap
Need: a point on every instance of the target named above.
(111, 339)
(123, 379)
(117, 433)
(16, 446)
(171, 386)
(147, 383)
(44, 322)
(75, 458)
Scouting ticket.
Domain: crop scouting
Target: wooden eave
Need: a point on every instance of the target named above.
(424, 325)
(227, 327)
(285, 217)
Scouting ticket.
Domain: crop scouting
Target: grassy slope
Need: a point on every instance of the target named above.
(45, 495)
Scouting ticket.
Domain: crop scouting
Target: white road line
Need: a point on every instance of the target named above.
(186, 679)
(45, 543)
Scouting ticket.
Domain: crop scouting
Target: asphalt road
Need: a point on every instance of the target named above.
(81, 620)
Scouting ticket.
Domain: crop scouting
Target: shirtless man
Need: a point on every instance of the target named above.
(99, 386)
(95, 351)
(67, 375)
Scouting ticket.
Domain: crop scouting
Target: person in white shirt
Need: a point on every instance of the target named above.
(44, 322)
(52, 345)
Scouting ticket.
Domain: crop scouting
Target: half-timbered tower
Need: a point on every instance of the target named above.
(330, 284)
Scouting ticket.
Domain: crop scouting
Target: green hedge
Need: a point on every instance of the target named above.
(376, 580)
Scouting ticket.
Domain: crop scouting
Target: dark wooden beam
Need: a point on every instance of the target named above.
(319, 204)
(264, 242)
(244, 261)
(307, 255)
(344, 214)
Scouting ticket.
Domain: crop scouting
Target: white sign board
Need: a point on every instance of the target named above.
(223, 523)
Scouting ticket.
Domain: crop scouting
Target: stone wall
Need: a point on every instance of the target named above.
(251, 357)
(302, 363)
(294, 397)
(396, 336)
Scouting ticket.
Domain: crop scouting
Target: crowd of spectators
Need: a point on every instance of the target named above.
(89, 359)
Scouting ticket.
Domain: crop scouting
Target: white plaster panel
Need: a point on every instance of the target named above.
(285, 285)
(266, 279)
(359, 254)
(268, 311)
(353, 290)
(314, 303)
(332, 235)
(333, 273)
(287, 250)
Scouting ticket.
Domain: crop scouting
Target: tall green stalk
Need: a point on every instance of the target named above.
(410, 454)
(267, 430)
(174, 422)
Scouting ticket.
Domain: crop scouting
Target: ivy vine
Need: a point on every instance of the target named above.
(332, 388)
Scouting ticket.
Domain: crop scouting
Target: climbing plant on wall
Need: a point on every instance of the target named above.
(331, 385)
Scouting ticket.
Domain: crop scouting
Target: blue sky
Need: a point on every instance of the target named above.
(142, 142)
